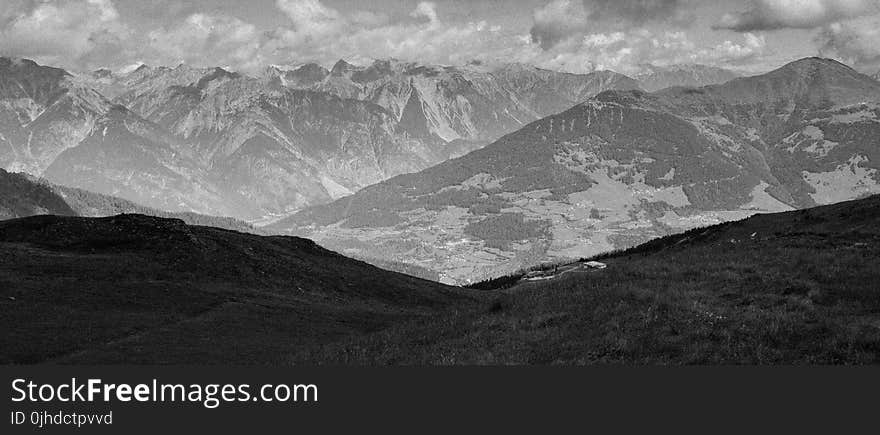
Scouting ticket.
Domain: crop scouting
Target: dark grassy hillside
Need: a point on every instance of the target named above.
(404, 268)
(139, 289)
(791, 288)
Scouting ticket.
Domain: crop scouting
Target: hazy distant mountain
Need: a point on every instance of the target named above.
(22, 195)
(127, 156)
(654, 78)
(619, 169)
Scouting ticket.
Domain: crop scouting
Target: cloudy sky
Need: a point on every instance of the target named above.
(569, 35)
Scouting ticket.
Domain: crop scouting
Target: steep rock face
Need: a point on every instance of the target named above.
(123, 155)
(457, 103)
(121, 86)
(654, 78)
(54, 126)
(549, 92)
(281, 149)
(43, 112)
(303, 77)
(619, 169)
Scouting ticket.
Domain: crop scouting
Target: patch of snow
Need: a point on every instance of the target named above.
(130, 68)
(334, 189)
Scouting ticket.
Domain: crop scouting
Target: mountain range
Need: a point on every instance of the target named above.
(472, 103)
(54, 126)
(620, 169)
(218, 142)
(388, 162)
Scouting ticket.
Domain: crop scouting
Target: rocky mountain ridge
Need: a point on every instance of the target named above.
(454, 103)
(219, 142)
(619, 169)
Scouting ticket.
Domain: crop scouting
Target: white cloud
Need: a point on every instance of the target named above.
(203, 38)
(427, 10)
(627, 52)
(799, 14)
(62, 30)
(574, 49)
(732, 53)
(560, 20)
(427, 38)
(598, 40)
(311, 17)
(557, 21)
(90, 34)
(856, 42)
(368, 19)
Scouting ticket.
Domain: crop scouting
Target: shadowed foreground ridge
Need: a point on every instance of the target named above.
(787, 288)
(797, 287)
(134, 288)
